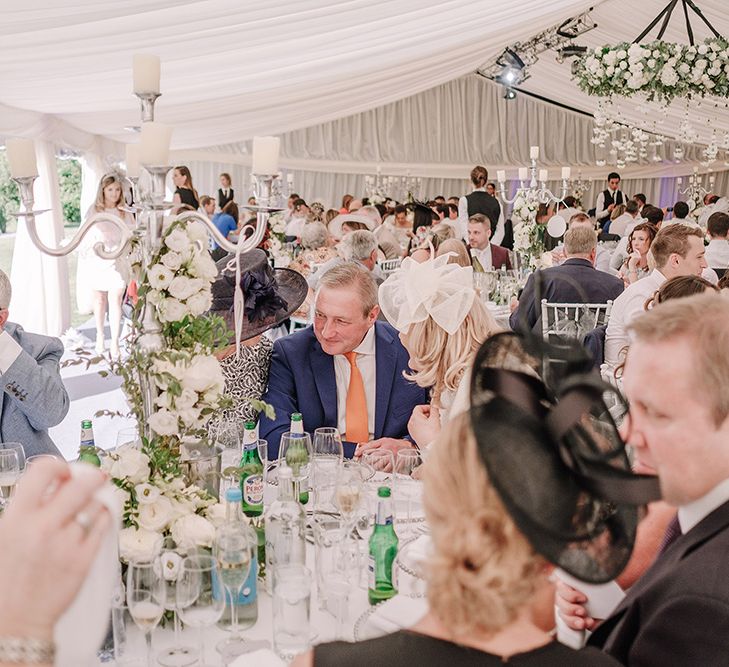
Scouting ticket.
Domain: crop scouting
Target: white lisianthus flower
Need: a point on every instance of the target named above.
(197, 232)
(146, 493)
(138, 544)
(128, 462)
(160, 277)
(170, 562)
(189, 416)
(156, 516)
(164, 422)
(172, 260)
(193, 531)
(204, 373)
(177, 240)
(202, 266)
(183, 287)
(200, 303)
(186, 399)
(703, 49)
(172, 310)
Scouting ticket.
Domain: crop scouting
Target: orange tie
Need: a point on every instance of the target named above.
(356, 409)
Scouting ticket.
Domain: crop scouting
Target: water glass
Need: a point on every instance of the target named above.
(328, 442)
(10, 470)
(229, 438)
(407, 489)
(296, 450)
(291, 610)
(146, 592)
(348, 494)
(129, 641)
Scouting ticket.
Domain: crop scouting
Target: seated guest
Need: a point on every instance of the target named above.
(635, 265)
(485, 255)
(456, 251)
(423, 219)
(641, 201)
(567, 208)
(680, 214)
(679, 287)
(602, 257)
(717, 252)
(623, 224)
(226, 222)
(441, 329)
(225, 192)
(317, 247)
(614, 215)
(34, 396)
(295, 225)
(575, 281)
(359, 246)
(346, 201)
(651, 214)
(208, 205)
(312, 369)
(271, 296)
(489, 590)
(437, 234)
(678, 250)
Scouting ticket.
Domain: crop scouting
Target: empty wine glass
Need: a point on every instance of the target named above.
(10, 471)
(146, 592)
(348, 494)
(229, 438)
(232, 549)
(128, 436)
(296, 450)
(407, 489)
(328, 454)
(200, 602)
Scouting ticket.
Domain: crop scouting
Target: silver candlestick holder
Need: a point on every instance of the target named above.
(146, 104)
(533, 190)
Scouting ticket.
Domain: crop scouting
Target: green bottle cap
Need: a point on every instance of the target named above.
(296, 417)
(86, 423)
(383, 492)
(249, 426)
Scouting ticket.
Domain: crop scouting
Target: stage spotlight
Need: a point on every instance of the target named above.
(509, 94)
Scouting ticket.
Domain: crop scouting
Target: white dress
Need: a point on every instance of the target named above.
(101, 274)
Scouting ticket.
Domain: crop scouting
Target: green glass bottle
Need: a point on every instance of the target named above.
(87, 448)
(383, 549)
(251, 473)
(297, 427)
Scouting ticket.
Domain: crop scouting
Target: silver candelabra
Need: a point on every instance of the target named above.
(695, 190)
(531, 188)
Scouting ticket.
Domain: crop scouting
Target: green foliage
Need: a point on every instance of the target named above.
(208, 332)
(69, 185)
(9, 196)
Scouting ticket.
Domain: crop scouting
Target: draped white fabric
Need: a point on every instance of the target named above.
(233, 70)
(40, 300)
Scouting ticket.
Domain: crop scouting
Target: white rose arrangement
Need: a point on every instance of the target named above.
(528, 241)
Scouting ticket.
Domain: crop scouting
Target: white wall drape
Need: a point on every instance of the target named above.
(41, 302)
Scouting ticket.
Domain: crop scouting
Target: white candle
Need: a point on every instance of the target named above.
(154, 147)
(679, 180)
(566, 171)
(265, 155)
(534, 152)
(543, 175)
(290, 178)
(132, 160)
(523, 172)
(146, 73)
(501, 176)
(21, 156)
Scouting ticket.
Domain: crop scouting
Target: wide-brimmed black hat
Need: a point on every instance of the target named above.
(270, 295)
(554, 455)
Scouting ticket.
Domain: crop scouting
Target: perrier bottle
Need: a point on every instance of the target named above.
(383, 549)
(87, 448)
(295, 456)
(251, 473)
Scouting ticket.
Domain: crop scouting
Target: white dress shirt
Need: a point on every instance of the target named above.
(484, 257)
(696, 511)
(500, 230)
(600, 208)
(620, 225)
(626, 308)
(366, 362)
(717, 254)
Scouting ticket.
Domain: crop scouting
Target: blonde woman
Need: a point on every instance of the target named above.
(442, 323)
(101, 275)
(490, 597)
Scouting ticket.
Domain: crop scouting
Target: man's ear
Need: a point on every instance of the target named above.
(4, 314)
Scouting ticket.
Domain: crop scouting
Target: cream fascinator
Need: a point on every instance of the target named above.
(433, 288)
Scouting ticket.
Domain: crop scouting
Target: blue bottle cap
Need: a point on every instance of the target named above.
(233, 495)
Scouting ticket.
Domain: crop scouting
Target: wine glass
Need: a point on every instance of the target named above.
(228, 438)
(10, 471)
(200, 602)
(296, 450)
(128, 436)
(328, 443)
(379, 464)
(263, 455)
(328, 454)
(232, 549)
(406, 487)
(348, 494)
(146, 593)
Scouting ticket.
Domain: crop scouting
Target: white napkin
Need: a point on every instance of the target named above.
(398, 613)
(82, 628)
(417, 552)
(263, 657)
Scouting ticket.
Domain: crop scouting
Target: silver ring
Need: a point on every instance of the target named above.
(84, 520)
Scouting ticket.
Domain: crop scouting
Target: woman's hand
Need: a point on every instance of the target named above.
(424, 425)
(633, 260)
(50, 534)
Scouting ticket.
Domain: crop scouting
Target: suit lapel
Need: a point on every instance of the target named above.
(322, 367)
(386, 365)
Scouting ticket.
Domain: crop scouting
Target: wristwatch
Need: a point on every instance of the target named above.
(27, 650)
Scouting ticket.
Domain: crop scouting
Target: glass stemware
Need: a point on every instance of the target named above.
(229, 438)
(407, 488)
(232, 549)
(128, 436)
(379, 465)
(328, 454)
(296, 450)
(200, 601)
(146, 593)
(12, 464)
(348, 494)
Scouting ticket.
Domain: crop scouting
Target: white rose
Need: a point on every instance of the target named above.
(186, 399)
(172, 260)
(701, 63)
(154, 297)
(128, 462)
(189, 416)
(684, 68)
(182, 507)
(610, 71)
(146, 493)
(200, 303)
(656, 53)
(160, 277)
(172, 310)
(203, 266)
(197, 232)
(622, 54)
(703, 49)
(193, 531)
(157, 515)
(623, 65)
(163, 422)
(170, 562)
(204, 373)
(651, 63)
(183, 287)
(216, 514)
(177, 240)
(138, 545)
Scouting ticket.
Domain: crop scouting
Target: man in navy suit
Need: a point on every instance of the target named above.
(575, 281)
(485, 256)
(311, 370)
